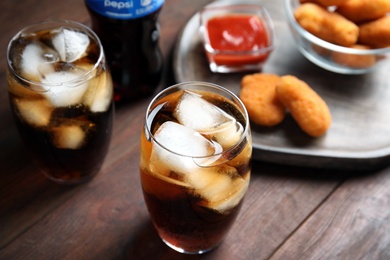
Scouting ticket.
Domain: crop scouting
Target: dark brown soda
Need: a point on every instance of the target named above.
(180, 219)
(69, 165)
(132, 52)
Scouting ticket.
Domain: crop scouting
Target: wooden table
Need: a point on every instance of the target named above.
(289, 212)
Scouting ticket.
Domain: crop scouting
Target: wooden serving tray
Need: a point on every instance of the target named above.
(359, 137)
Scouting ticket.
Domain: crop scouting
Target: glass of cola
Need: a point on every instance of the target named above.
(195, 164)
(61, 95)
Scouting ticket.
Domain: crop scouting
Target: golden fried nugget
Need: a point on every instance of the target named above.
(363, 10)
(307, 108)
(376, 33)
(325, 3)
(259, 97)
(355, 60)
(329, 26)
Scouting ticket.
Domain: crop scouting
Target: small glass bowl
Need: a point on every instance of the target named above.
(335, 58)
(233, 60)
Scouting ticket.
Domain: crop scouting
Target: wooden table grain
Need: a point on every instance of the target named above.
(289, 212)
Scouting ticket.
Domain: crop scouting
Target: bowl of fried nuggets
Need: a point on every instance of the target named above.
(342, 36)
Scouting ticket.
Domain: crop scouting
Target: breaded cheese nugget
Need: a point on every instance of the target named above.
(259, 97)
(325, 3)
(307, 108)
(354, 60)
(329, 26)
(376, 33)
(363, 10)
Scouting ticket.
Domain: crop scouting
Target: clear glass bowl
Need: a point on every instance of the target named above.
(329, 56)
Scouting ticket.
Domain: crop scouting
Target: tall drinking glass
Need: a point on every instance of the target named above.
(61, 93)
(195, 164)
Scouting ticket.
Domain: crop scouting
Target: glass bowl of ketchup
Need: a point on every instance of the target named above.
(236, 37)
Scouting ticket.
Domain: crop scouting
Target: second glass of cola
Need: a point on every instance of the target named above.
(195, 164)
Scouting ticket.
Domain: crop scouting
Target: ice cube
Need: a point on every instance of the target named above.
(68, 137)
(71, 45)
(178, 140)
(235, 195)
(227, 134)
(196, 113)
(34, 112)
(33, 55)
(211, 183)
(221, 186)
(64, 90)
(99, 94)
(241, 155)
(202, 116)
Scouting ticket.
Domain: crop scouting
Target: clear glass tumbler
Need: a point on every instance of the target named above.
(61, 95)
(195, 164)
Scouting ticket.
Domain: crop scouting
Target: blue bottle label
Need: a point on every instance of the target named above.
(124, 9)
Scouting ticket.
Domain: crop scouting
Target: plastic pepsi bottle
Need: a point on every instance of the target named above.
(129, 32)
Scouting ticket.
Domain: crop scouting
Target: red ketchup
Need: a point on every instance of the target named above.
(236, 33)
